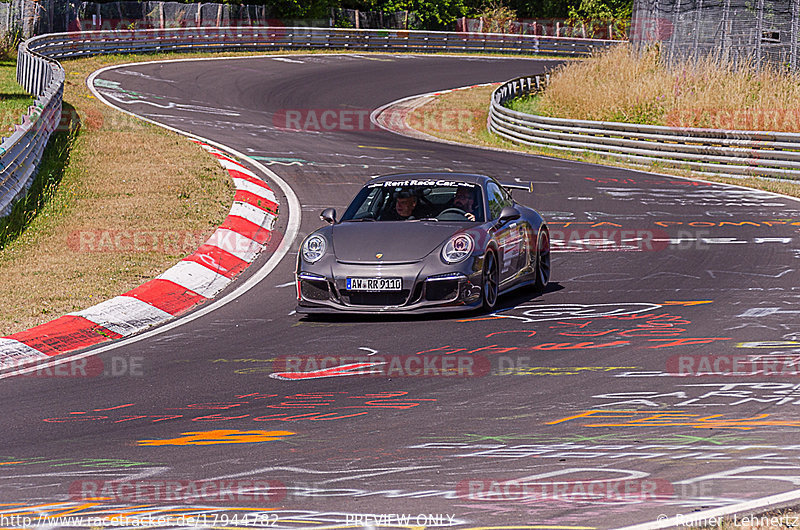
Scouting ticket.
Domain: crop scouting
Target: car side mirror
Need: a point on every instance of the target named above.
(328, 215)
(508, 213)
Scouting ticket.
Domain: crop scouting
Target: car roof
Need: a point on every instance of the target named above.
(470, 178)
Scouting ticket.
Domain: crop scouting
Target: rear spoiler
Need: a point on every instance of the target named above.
(517, 186)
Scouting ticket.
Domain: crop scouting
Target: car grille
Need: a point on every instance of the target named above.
(376, 299)
(441, 290)
(314, 289)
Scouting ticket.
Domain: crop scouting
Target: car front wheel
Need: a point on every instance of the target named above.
(491, 281)
(542, 264)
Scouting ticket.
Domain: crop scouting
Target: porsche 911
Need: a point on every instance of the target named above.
(423, 242)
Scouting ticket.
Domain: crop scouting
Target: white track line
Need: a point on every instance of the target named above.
(292, 229)
(291, 233)
(666, 522)
(702, 517)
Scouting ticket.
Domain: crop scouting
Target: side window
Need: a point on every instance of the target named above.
(498, 199)
(372, 203)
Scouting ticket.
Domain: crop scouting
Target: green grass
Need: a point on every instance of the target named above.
(14, 101)
(108, 174)
(55, 160)
(526, 104)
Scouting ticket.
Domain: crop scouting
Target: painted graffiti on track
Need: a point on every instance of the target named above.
(316, 366)
(672, 418)
(325, 406)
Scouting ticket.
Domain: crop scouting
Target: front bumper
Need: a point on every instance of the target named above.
(425, 288)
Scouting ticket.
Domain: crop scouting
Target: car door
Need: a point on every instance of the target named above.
(510, 236)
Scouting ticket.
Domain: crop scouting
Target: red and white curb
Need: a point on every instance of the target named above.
(393, 117)
(194, 280)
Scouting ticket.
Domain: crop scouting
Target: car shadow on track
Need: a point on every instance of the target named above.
(504, 303)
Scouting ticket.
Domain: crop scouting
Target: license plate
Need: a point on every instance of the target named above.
(374, 284)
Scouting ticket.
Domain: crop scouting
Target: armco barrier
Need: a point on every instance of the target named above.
(66, 45)
(40, 74)
(725, 152)
(21, 152)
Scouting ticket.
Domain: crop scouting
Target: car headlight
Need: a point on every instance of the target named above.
(314, 248)
(457, 249)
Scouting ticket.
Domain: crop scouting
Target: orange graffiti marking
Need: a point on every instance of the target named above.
(577, 345)
(530, 332)
(677, 418)
(220, 436)
(685, 342)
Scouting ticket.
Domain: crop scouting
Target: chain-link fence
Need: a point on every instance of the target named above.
(54, 16)
(553, 27)
(89, 16)
(24, 17)
(758, 31)
(354, 18)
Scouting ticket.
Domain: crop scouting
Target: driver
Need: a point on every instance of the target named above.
(465, 200)
(405, 204)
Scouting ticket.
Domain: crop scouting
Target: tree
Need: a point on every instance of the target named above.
(497, 18)
(432, 14)
(296, 8)
(528, 8)
(602, 13)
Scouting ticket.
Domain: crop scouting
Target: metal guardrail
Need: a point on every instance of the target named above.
(718, 151)
(41, 75)
(66, 45)
(21, 152)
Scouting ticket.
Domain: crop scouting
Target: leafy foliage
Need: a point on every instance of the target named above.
(432, 14)
(617, 12)
(497, 17)
(442, 14)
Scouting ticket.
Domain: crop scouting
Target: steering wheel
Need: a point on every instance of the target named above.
(453, 210)
(458, 211)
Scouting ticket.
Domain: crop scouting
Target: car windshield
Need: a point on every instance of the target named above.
(415, 200)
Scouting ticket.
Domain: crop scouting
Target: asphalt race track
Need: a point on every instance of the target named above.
(565, 415)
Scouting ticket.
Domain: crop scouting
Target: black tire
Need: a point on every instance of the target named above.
(541, 268)
(491, 281)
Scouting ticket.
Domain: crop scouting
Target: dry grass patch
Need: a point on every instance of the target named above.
(467, 111)
(132, 201)
(627, 86)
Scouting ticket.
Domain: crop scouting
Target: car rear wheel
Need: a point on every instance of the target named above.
(542, 262)
(491, 281)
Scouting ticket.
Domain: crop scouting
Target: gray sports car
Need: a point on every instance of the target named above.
(423, 242)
